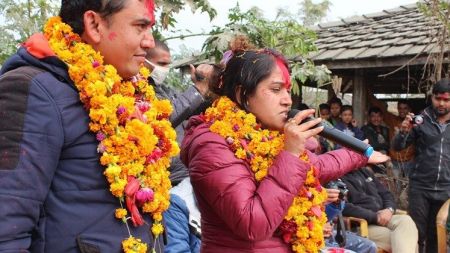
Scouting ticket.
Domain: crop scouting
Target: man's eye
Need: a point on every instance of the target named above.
(143, 27)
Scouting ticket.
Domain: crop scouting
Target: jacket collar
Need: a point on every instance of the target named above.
(429, 112)
(37, 45)
(36, 52)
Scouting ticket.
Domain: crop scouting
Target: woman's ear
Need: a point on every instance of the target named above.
(92, 27)
(238, 94)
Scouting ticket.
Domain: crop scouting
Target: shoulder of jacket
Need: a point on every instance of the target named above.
(203, 135)
(23, 72)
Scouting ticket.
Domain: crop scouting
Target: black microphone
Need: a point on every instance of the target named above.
(337, 136)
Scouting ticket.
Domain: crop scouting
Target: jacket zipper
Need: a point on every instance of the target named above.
(441, 149)
(440, 163)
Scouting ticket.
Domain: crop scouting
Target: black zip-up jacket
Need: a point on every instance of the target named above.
(432, 142)
(366, 196)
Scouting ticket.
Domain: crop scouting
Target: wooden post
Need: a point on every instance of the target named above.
(359, 97)
(330, 93)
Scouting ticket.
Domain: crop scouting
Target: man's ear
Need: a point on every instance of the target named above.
(92, 27)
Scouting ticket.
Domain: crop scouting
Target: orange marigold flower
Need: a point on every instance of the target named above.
(121, 213)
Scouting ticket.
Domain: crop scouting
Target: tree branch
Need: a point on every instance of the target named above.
(186, 36)
(407, 63)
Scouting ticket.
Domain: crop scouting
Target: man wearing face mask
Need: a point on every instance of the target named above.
(185, 104)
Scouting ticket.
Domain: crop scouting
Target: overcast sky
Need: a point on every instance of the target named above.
(198, 23)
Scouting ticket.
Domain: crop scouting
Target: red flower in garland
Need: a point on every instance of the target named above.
(288, 229)
(131, 189)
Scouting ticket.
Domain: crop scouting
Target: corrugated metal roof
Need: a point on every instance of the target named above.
(394, 32)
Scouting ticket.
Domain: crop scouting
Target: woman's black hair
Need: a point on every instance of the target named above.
(72, 11)
(244, 71)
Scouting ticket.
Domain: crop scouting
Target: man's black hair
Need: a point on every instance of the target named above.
(158, 45)
(324, 107)
(335, 100)
(346, 108)
(72, 11)
(404, 101)
(375, 109)
(442, 86)
(162, 45)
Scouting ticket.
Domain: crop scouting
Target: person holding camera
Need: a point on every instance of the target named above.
(185, 104)
(370, 200)
(429, 181)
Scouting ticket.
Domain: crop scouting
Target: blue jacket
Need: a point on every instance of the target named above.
(350, 130)
(182, 221)
(54, 195)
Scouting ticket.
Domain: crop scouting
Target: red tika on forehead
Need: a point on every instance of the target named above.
(285, 71)
(445, 96)
(150, 4)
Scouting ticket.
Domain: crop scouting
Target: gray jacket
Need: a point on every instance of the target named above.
(432, 141)
(185, 104)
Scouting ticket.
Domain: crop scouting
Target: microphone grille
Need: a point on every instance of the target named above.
(292, 113)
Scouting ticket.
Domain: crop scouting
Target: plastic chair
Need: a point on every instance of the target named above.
(441, 220)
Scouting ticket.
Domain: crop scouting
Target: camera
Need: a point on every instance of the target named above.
(417, 119)
(341, 186)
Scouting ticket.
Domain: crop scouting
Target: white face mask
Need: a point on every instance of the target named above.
(159, 74)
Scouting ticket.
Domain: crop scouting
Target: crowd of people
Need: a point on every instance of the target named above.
(89, 150)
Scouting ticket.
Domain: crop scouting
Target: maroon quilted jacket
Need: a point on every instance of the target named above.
(238, 214)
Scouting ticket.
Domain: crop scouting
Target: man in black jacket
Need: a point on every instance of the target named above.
(370, 200)
(429, 181)
(185, 104)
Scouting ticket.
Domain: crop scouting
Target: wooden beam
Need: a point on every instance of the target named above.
(359, 97)
(397, 61)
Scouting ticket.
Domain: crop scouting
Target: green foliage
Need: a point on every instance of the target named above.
(20, 20)
(167, 9)
(7, 45)
(287, 36)
(311, 13)
(438, 9)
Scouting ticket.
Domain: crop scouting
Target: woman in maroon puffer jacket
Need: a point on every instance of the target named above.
(240, 214)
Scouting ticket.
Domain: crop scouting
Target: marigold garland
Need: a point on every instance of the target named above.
(302, 226)
(132, 126)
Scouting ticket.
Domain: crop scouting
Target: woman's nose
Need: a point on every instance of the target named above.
(286, 99)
